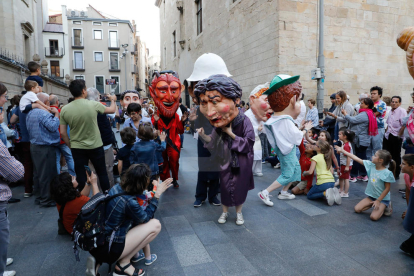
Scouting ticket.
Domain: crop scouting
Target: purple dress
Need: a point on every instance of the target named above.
(236, 160)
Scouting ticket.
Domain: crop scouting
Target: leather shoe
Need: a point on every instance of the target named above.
(14, 200)
(50, 204)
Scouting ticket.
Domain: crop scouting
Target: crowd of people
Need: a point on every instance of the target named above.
(67, 154)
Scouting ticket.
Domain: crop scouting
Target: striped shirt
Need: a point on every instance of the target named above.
(11, 170)
(313, 116)
(43, 128)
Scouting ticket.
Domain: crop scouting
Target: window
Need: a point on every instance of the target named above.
(98, 56)
(113, 39)
(99, 84)
(77, 37)
(199, 17)
(77, 22)
(175, 44)
(97, 34)
(53, 47)
(79, 77)
(113, 24)
(78, 60)
(54, 68)
(113, 61)
(97, 23)
(115, 87)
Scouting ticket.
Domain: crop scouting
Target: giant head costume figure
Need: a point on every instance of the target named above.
(283, 95)
(166, 91)
(218, 96)
(406, 42)
(259, 103)
(130, 96)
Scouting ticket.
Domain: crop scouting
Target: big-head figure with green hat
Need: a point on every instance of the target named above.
(283, 93)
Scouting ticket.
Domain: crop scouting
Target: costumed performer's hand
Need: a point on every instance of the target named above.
(162, 186)
(200, 131)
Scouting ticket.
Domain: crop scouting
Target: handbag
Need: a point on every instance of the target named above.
(61, 227)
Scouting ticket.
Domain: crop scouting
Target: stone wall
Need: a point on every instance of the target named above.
(259, 39)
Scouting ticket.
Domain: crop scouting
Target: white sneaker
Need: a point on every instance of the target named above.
(265, 199)
(343, 194)
(285, 196)
(277, 166)
(9, 273)
(90, 266)
(337, 196)
(258, 174)
(336, 183)
(223, 218)
(9, 261)
(335, 174)
(239, 220)
(329, 194)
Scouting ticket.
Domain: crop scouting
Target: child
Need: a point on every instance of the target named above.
(128, 138)
(306, 153)
(345, 136)
(34, 69)
(325, 182)
(30, 97)
(145, 151)
(407, 167)
(379, 183)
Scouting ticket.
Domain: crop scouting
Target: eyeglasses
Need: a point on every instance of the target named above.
(6, 97)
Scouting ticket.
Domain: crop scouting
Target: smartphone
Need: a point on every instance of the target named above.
(325, 110)
(88, 170)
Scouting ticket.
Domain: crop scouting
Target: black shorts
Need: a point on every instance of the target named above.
(101, 253)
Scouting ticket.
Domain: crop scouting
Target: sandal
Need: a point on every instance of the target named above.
(121, 271)
(91, 266)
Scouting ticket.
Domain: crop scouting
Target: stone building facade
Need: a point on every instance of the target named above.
(261, 38)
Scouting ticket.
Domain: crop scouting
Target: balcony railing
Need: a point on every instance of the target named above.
(77, 43)
(113, 44)
(78, 65)
(54, 52)
(60, 74)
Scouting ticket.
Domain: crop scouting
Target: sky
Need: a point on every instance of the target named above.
(144, 12)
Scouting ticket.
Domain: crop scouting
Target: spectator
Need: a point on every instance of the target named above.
(11, 170)
(124, 211)
(364, 126)
(128, 136)
(85, 139)
(392, 142)
(404, 133)
(107, 136)
(34, 69)
(342, 103)
(43, 129)
(135, 118)
(387, 101)
(62, 148)
(183, 111)
(329, 122)
(312, 114)
(32, 89)
(357, 106)
(302, 113)
(64, 191)
(381, 111)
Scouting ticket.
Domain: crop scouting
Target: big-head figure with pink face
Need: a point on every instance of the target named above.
(259, 103)
(130, 96)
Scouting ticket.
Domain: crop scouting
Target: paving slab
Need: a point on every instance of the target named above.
(190, 250)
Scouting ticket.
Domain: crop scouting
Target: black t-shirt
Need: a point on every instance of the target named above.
(123, 154)
(183, 108)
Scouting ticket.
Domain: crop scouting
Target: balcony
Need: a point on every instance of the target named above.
(57, 74)
(113, 44)
(54, 52)
(78, 66)
(134, 50)
(77, 42)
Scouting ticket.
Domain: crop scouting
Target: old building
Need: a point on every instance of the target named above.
(141, 66)
(261, 38)
(154, 64)
(99, 49)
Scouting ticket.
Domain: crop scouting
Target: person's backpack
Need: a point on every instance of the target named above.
(89, 227)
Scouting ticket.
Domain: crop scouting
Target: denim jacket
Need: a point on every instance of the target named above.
(146, 152)
(123, 211)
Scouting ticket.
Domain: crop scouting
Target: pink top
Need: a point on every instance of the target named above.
(394, 121)
(407, 181)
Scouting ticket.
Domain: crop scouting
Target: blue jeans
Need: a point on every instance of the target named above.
(63, 148)
(317, 190)
(376, 143)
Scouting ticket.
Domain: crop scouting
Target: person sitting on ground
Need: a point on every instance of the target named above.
(123, 211)
(381, 174)
(64, 191)
(306, 153)
(128, 138)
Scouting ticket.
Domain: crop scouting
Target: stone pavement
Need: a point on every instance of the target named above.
(297, 237)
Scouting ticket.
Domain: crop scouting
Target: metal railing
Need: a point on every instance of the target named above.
(77, 42)
(78, 65)
(59, 75)
(113, 43)
(54, 52)
(8, 56)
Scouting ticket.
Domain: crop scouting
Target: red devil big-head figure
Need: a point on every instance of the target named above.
(166, 91)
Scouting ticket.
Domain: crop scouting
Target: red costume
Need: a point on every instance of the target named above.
(166, 92)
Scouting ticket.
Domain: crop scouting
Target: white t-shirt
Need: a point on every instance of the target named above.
(285, 132)
(144, 113)
(302, 113)
(28, 98)
(180, 113)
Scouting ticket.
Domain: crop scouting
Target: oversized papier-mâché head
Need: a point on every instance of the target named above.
(406, 42)
(218, 96)
(259, 102)
(130, 96)
(166, 91)
(283, 95)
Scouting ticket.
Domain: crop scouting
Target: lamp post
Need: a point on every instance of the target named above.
(124, 56)
(321, 62)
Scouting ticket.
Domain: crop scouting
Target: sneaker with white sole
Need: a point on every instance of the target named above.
(388, 210)
(285, 196)
(265, 198)
(258, 174)
(365, 179)
(337, 196)
(138, 257)
(343, 194)
(336, 183)
(90, 266)
(9, 273)
(223, 218)
(277, 166)
(9, 261)
(353, 179)
(153, 259)
(27, 195)
(329, 195)
(239, 220)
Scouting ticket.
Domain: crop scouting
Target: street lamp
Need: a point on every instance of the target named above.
(121, 57)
